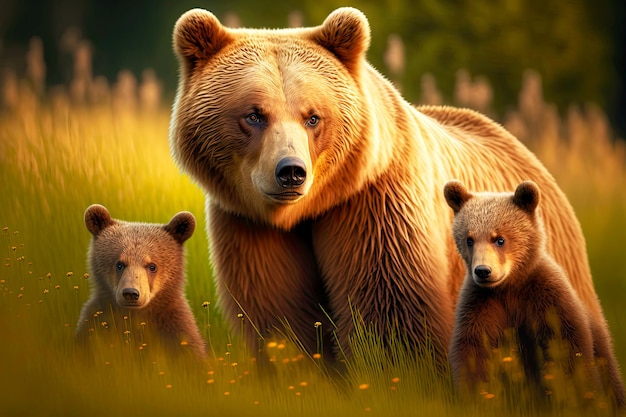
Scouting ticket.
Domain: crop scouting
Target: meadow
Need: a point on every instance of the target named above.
(58, 156)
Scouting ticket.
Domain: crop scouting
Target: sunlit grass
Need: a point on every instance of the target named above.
(56, 160)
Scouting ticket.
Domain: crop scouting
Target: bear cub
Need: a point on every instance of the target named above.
(513, 283)
(137, 274)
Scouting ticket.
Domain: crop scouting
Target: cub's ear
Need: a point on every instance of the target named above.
(456, 195)
(181, 227)
(97, 218)
(526, 196)
(198, 35)
(345, 33)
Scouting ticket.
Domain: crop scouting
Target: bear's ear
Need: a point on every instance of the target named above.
(181, 227)
(97, 218)
(198, 35)
(456, 195)
(526, 196)
(345, 33)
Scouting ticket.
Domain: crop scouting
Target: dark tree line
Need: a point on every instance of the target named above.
(577, 46)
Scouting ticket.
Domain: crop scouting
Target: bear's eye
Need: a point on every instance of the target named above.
(254, 119)
(500, 241)
(152, 267)
(312, 121)
(470, 241)
(119, 265)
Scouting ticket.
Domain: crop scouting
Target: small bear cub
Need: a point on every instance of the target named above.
(512, 283)
(137, 273)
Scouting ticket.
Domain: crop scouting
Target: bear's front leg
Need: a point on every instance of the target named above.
(270, 277)
(378, 265)
(565, 336)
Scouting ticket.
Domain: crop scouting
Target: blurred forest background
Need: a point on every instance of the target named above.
(469, 53)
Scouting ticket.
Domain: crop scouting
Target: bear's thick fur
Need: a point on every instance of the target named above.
(324, 185)
(513, 283)
(137, 271)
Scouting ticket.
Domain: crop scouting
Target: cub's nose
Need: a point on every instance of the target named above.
(130, 294)
(482, 271)
(290, 172)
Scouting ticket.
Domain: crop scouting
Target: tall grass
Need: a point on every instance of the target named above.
(57, 158)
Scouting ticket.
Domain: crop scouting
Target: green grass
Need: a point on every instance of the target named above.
(54, 163)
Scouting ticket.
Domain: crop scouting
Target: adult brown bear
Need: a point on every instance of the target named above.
(324, 185)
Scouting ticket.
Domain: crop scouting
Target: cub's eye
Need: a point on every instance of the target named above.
(312, 121)
(152, 267)
(119, 265)
(470, 241)
(500, 241)
(254, 119)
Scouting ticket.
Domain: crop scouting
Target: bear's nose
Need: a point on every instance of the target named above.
(130, 294)
(482, 271)
(290, 172)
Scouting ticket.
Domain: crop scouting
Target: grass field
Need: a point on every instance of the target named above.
(56, 160)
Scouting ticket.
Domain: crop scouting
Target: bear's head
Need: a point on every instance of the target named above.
(498, 235)
(133, 262)
(273, 122)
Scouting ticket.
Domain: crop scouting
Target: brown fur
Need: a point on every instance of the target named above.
(148, 259)
(369, 229)
(525, 288)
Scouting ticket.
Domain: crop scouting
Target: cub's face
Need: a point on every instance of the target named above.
(266, 120)
(486, 242)
(496, 234)
(134, 262)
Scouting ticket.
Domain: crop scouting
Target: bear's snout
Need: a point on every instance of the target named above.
(130, 294)
(482, 271)
(290, 172)
(134, 289)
